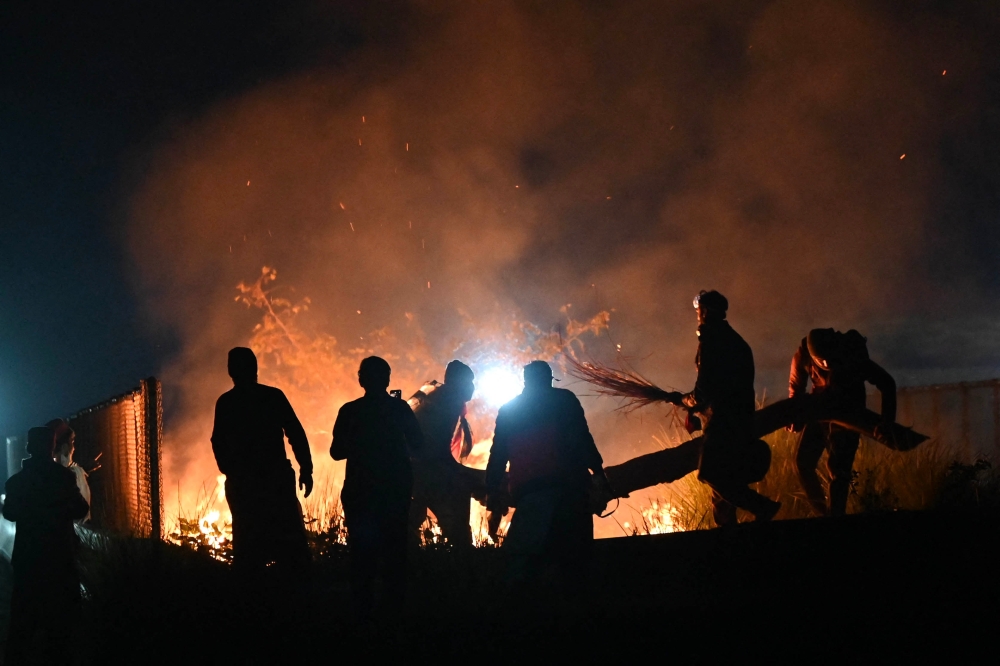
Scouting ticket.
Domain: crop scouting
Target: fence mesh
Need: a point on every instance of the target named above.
(123, 434)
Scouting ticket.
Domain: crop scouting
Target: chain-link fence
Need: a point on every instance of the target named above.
(123, 436)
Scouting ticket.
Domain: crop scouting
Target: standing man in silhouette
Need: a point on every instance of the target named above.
(376, 435)
(43, 500)
(251, 423)
(543, 435)
(441, 483)
(838, 366)
(723, 398)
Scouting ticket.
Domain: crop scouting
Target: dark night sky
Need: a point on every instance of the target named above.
(88, 90)
(84, 88)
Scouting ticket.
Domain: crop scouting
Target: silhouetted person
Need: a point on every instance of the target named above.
(43, 500)
(723, 397)
(376, 434)
(251, 423)
(838, 366)
(63, 454)
(441, 483)
(543, 435)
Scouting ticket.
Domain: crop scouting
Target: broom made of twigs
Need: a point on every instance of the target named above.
(635, 390)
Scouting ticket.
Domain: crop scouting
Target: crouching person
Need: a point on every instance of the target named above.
(543, 435)
(43, 500)
(376, 434)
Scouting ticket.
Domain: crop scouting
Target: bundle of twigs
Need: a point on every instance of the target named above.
(635, 390)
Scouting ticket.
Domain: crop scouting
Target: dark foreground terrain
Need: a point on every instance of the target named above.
(896, 586)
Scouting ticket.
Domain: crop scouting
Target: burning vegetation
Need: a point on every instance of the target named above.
(319, 374)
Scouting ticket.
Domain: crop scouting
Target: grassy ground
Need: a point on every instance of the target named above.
(931, 476)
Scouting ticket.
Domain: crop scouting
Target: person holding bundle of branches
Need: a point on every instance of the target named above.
(723, 398)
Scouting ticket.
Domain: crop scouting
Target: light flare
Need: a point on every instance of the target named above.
(499, 385)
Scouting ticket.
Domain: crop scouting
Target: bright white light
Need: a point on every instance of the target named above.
(498, 386)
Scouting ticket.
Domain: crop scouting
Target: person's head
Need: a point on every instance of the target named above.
(41, 442)
(373, 374)
(711, 306)
(461, 377)
(242, 365)
(537, 375)
(65, 441)
(824, 346)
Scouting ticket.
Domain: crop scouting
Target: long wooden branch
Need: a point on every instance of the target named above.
(671, 464)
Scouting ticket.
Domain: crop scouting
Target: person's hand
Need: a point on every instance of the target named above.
(674, 397)
(603, 485)
(689, 400)
(883, 431)
(495, 505)
(306, 482)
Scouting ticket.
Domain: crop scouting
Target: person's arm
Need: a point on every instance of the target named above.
(710, 368)
(75, 506)
(877, 376)
(13, 505)
(296, 435)
(221, 446)
(342, 443)
(411, 428)
(581, 436)
(798, 376)
(496, 466)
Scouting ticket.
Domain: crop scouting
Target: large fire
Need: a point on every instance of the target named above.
(318, 375)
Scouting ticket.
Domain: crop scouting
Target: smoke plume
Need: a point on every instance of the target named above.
(483, 162)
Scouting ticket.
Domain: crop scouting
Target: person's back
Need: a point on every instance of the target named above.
(376, 435)
(725, 369)
(543, 435)
(248, 439)
(43, 501)
(547, 441)
(249, 433)
(371, 435)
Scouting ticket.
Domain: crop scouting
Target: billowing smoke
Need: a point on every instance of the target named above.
(488, 161)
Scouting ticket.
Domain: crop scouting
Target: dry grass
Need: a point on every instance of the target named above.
(931, 476)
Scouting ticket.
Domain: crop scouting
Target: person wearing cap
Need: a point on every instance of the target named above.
(440, 482)
(543, 436)
(43, 500)
(376, 434)
(724, 400)
(838, 366)
(63, 454)
(251, 423)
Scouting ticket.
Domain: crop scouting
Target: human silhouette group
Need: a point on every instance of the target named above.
(544, 463)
